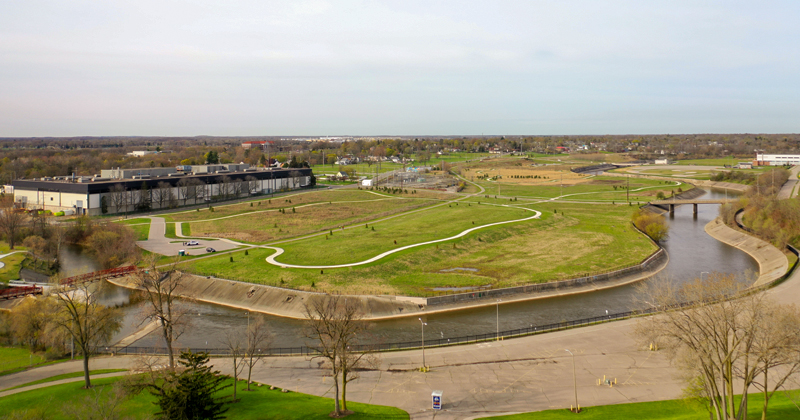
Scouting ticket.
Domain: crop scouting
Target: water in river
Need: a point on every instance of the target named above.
(691, 251)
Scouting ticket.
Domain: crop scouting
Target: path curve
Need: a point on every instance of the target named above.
(279, 251)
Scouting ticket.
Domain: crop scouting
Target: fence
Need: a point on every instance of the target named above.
(20, 291)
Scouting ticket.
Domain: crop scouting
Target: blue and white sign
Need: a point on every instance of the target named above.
(437, 400)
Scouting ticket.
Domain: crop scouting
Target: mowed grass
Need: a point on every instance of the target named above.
(14, 358)
(600, 188)
(261, 403)
(780, 407)
(283, 201)
(67, 376)
(13, 263)
(584, 240)
(357, 244)
(302, 219)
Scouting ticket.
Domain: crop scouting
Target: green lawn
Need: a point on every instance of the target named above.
(584, 240)
(13, 263)
(134, 221)
(67, 376)
(16, 358)
(780, 407)
(600, 188)
(353, 245)
(258, 404)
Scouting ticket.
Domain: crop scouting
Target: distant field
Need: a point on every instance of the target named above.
(586, 239)
(304, 219)
(715, 162)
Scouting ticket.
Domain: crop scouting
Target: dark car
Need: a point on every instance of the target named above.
(209, 249)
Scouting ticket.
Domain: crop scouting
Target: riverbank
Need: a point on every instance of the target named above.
(772, 263)
(289, 303)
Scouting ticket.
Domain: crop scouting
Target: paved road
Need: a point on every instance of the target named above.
(792, 187)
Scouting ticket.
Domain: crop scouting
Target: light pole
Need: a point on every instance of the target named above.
(498, 320)
(423, 324)
(701, 274)
(574, 380)
(248, 330)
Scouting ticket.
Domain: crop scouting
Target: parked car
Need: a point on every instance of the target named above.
(192, 243)
(209, 249)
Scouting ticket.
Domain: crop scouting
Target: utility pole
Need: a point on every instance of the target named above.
(574, 381)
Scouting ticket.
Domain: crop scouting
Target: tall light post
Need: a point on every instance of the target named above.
(248, 330)
(701, 274)
(423, 324)
(574, 380)
(498, 320)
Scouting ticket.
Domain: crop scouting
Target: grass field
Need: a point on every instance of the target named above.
(303, 219)
(780, 407)
(353, 245)
(67, 376)
(715, 162)
(261, 403)
(586, 239)
(13, 263)
(600, 188)
(15, 358)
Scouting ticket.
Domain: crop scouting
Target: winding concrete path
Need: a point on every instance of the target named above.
(790, 188)
(2, 264)
(279, 251)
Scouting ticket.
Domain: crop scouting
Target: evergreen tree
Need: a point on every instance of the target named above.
(191, 395)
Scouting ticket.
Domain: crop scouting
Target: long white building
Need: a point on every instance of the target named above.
(152, 189)
(776, 160)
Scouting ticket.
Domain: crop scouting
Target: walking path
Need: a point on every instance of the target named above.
(772, 263)
(2, 264)
(790, 188)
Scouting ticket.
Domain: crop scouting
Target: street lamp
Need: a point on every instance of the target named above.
(574, 380)
(423, 324)
(701, 274)
(498, 320)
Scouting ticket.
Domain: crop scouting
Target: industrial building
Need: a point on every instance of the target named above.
(142, 189)
(776, 160)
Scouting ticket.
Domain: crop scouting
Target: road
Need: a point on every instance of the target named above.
(792, 186)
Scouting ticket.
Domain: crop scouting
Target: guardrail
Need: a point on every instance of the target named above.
(99, 275)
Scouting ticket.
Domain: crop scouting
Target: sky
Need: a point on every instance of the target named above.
(282, 68)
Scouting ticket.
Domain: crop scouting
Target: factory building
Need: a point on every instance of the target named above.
(776, 160)
(116, 191)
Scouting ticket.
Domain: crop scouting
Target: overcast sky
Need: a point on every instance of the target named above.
(268, 67)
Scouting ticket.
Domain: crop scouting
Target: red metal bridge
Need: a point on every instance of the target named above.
(99, 275)
(20, 291)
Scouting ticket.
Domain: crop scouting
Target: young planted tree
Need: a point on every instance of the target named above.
(160, 289)
(258, 339)
(77, 312)
(236, 345)
(334, 322)
(188, 393)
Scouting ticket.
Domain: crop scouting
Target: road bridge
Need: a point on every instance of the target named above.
(671, 203)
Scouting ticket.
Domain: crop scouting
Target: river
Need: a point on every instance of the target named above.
(691, 252)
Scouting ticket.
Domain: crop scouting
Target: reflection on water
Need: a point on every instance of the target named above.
(691, 252)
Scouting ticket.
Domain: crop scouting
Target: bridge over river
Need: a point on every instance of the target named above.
(671, 203)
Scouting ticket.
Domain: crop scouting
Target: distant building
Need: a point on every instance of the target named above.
(366, 182)
(125, 190)
(745, 165)
(776, 160)
(256, 144)
(140, 153)
(662, 162)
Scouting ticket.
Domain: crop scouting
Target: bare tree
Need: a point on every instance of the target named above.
(295, 175)
(237, 349)
(258, 338)
(100, 404)
(225, 185)
(252, 184)
(334, 323)
(89, 323)
(11, 221)
(162, 194)
(719, 334)
(119, 197)
(162, 305)
(199, 190)
(184, 188)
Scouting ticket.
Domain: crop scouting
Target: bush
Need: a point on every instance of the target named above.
(652, 224)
